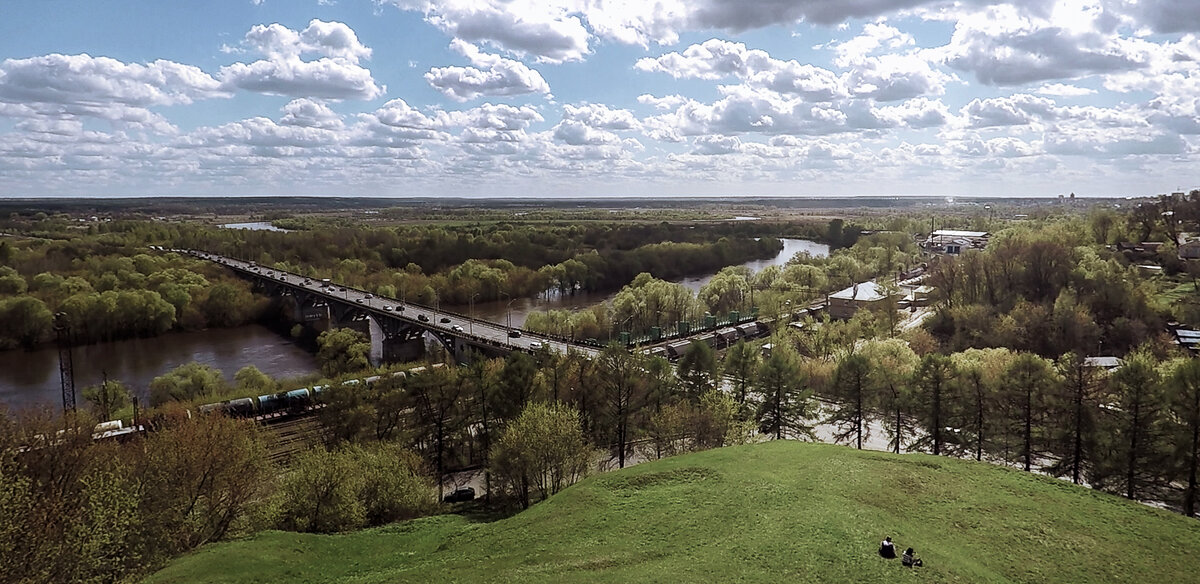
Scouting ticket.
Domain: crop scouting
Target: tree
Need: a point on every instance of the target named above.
(395, 485)
(541, 450)
(741, 363)
(1075, 410)
(347, 415)
(893, 364)
(319, 494)
(719, 421)
(1030, 379)
(785, 404)
(250, 380)
(185, 383)
(623, 391)
(107, 398)
(1134, 457)
(11, 282)
(979, 371)
(671, 429)
(341, 351)
(698, 370)
(438, 397)
(1184, 384)
(933, 379)
(517, 385)
(483, 377)
(201, 476)
(849, 410)
(390, 404)
(227, 305)
(26, 321)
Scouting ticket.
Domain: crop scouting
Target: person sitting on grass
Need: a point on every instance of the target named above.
(886, 549)
(909, 560)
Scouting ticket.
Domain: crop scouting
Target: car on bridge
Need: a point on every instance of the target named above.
(457, 328)
(445, 319)
(422, 318)
(514, 333)
(535, 345)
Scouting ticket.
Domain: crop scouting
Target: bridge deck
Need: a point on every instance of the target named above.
(439, 321)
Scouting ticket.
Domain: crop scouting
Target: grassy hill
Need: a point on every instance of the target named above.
(774, 512)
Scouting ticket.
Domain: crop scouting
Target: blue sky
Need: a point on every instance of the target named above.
(599, 97)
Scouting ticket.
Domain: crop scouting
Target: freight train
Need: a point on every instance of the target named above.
(263, 408)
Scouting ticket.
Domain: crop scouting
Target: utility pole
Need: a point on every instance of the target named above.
(66, 369)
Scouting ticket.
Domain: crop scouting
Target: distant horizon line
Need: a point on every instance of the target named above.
(589, 198)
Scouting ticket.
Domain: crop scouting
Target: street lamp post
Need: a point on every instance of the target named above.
(471, 304)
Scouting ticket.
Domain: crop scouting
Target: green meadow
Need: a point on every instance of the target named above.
(773, 512)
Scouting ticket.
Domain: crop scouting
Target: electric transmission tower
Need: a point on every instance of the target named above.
(66, 369)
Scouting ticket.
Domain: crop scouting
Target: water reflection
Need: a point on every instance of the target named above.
(31, 377)
(514, 314)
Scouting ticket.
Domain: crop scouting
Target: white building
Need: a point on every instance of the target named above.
(954, 242)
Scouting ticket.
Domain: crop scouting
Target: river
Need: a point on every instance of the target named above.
(499, 311)
(256, 226)
(30, 378)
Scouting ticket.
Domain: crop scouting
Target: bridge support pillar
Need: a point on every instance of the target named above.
(400, 349)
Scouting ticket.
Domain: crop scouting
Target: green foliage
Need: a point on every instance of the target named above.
(107, 398)
(336, 490)
(77, 510)
(741, 364)
(1184, 387)
(934, 377)
(851, 393)
(27, 322)
(541, 451)
(11, 283)
(249, 380)
(320, 493)
(785, 406)
(205, 474)
(342, 351)
(698, 370)
(347, 414)
(187, 382)
(1133, 451)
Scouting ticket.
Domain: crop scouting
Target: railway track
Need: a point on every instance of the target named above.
(290, 436)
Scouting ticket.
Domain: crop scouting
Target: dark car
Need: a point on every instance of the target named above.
(445, 319)
(514, 333)
(460, 494)
(422, 318)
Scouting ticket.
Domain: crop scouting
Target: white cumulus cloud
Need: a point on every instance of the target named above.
(336, 74)
(491, 76)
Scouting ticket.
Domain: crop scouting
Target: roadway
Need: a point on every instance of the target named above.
(431, 319)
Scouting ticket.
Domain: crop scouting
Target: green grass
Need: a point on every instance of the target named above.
(774, 512)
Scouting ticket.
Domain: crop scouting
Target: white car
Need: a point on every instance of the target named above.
(535, 345)
(457, 328)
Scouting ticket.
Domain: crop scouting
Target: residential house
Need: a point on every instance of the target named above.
(954, 242)
(844, 303)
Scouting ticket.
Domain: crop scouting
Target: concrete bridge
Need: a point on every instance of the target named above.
(394, 327)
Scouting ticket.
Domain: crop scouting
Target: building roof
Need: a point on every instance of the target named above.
(1105, 362)
(957, 233)
(864, 292)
